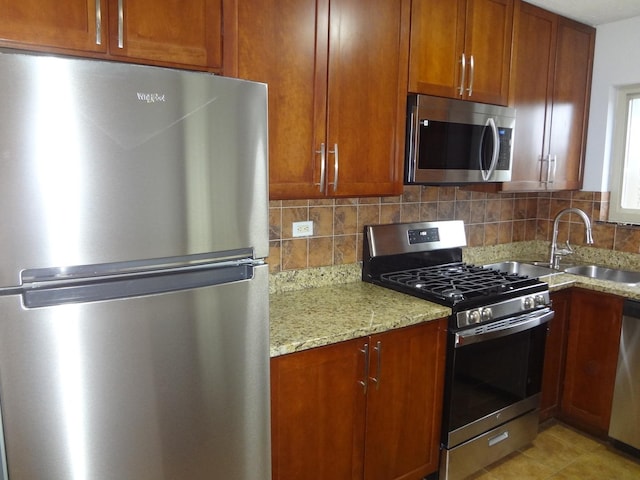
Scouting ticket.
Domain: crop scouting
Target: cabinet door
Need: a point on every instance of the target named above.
(405, 402)
(554, 356)
(368, 54)
(185, 32)
(571, 92)
(592, 357)
(318, 413)
(437, 43)
(278, 47)
(73, 24)
(531, 84)
(489, 25)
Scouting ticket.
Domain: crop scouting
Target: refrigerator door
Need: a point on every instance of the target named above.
(107, 162)
(165, 386)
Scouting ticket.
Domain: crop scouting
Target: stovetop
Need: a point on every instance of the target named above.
(453, 283)
(424, 259)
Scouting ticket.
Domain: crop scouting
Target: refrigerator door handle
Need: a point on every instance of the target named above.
(130, 285)
(56, 286)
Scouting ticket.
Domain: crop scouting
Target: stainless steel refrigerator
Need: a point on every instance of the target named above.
(134, 337)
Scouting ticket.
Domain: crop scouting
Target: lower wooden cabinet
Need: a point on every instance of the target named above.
(554, 357)
(592, 356)
(362, 409)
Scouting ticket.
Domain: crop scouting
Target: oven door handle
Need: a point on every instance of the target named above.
(482, 333)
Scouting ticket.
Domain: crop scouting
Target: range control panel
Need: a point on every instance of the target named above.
(425, 235)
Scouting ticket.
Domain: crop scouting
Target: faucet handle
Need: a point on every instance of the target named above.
(569, 249)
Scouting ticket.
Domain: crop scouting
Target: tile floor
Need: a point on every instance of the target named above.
(561, 453)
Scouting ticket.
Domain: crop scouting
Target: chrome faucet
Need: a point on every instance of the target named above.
(557, 253)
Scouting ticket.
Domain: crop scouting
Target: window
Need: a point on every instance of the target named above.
(625, 161)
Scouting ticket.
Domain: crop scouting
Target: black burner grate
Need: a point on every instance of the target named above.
(456, 282)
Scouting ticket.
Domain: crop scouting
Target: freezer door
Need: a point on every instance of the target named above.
(166, 386)
(107, 162)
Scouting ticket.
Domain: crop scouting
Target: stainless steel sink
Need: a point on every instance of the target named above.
(522, 268)
(604, 273)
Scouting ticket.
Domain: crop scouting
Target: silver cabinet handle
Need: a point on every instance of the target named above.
(365, 382)
(553, 159)
(98, 23)
(542, 160)
(471, 75)
(378, 349)
(323, 166)
(120, 25)
(336, 162)
(463, 68)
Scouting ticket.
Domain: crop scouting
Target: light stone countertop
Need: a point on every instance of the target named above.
(314, 317)
(316, 307)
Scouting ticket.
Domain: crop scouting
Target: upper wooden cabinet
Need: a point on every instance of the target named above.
(187, 32)
(461, 49)
(592, 357)
(184, 33)
(550, 88)
(73, 24)
(336, 71)
(363, 409)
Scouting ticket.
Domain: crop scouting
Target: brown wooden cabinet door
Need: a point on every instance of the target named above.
(442, 31)
(335, 75)
(531, 83)
(278, 47)
(592, 357)
(73, 24)
(436, 46)
(571, 92)
(554, 356)
(366, 105)
(489, 25)
(185, 32)
(405, 402)
(318, 412)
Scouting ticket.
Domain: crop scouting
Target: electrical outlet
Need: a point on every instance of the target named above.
(302, 229)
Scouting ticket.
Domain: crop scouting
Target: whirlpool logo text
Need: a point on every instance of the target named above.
(151, 97)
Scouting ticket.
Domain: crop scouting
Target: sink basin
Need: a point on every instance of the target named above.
(604, 273)
(521, 268)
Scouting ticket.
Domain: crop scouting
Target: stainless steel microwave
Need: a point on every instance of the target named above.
(456, 142)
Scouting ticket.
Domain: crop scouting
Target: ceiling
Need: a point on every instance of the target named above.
(592, 12)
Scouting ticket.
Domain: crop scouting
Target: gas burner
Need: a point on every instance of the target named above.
(453, 294)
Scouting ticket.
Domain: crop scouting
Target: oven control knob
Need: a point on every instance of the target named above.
(540, 300)
(474, 317)
(486, 314)
(528, 303)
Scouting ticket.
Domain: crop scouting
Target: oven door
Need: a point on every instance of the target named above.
(495, 374)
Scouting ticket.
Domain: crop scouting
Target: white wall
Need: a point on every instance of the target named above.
(616, 62)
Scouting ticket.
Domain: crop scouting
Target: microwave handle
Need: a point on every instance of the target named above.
(414, 135)
(486, 174)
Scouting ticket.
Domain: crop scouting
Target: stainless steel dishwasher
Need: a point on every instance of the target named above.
(624, 427)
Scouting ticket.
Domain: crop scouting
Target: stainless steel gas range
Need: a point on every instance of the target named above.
(496, 341)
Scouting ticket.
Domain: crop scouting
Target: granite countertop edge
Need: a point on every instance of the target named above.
(315, 317)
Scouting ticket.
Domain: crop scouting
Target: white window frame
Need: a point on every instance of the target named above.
(617, 213)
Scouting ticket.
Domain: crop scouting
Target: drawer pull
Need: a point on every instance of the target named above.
(498, 438)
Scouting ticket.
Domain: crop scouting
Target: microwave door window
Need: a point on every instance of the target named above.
(447, 146)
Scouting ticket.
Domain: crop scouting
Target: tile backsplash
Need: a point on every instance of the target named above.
(489, 219)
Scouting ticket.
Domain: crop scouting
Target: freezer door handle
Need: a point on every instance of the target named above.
(133, 285)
